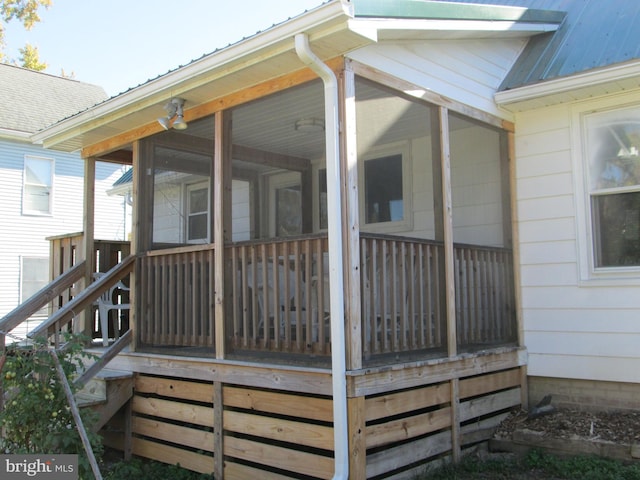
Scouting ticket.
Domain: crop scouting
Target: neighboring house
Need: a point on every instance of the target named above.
(42, 190)
(354, 266)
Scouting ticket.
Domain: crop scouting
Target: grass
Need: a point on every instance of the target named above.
(534, 466)
(538, 466)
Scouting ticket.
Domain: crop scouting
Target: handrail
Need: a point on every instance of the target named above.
(109, 355)
(86, 298)
(42, 297)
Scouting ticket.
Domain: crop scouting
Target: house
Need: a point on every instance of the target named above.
(43, 189)
(356, 233)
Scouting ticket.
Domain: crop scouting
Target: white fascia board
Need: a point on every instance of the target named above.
(262, 46)
(377, 28)
(567, 84)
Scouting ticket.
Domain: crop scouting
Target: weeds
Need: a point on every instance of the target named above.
(538, 466)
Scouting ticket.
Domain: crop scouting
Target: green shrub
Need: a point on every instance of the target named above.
(147, 470)
(37, 418)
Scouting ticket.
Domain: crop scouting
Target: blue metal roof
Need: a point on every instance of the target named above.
(594, 34)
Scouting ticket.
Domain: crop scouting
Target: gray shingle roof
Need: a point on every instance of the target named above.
(30, 100)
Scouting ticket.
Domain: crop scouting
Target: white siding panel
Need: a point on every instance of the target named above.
(543, 143)
(548, 163)
(555, 274)
(586, 344)
(572, 330)
(545, 186)
(468, 71)
(25, 235)
(552, 296)
(551, 230)
(595, 320)
(546, 208)
(612, 369)
(548, 252)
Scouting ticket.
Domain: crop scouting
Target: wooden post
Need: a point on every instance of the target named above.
(456, 450)
(221, 220)
(128, 430)
(84, 325)
(357, 438)
(351, 222)
(75, 412)
(447, 231)
(218, 430)
(515, 242)
(135, 246)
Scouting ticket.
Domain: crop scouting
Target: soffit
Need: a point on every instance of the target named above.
(255, 60)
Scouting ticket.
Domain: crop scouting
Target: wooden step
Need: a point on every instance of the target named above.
(95, 391)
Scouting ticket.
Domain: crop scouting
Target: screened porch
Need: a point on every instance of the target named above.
(267, 202)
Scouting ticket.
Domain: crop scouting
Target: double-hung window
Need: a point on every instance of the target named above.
(198, 213)
(37, 186)
(613, 182)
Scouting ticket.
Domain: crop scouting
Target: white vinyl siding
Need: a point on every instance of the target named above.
(470, 71)
(25, 235)
(575, 326)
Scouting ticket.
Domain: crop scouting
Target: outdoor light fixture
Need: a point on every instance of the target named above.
(309, 125)
(174, 116)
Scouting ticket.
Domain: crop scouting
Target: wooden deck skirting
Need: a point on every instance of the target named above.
(243, 420)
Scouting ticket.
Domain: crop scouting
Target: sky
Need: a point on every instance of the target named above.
(119, 44)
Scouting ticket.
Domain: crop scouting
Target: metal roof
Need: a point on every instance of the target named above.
(594, 34)
(334, 29)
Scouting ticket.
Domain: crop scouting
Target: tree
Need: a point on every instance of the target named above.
(26, 12)
(30, 58)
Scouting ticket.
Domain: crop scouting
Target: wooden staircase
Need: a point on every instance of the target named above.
(105, 394)
(103, 390)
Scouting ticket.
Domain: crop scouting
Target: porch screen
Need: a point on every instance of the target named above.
(181, 197)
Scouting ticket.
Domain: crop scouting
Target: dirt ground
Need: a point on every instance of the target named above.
(619, 427)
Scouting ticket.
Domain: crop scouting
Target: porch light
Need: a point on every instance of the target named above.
(309, 125)
(174, 113)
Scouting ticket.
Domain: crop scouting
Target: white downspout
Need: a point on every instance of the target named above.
(336, 280)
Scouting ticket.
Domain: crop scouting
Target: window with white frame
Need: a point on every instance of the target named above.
(613, 183)
(385, 191)
(198, 213)
(34, 276)
(37, 188)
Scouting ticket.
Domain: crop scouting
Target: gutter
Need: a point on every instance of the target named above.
(588, 79)
(336, 280)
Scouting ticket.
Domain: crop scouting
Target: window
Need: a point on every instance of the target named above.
(197, 213)
(34, 277)
(383, 189)
(288, 211)
(613, 141)
(37, 187)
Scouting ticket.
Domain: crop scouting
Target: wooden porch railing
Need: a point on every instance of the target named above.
(402, 294)
(175, 298)
(279, 296)
(485, 296)
(65, 252)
